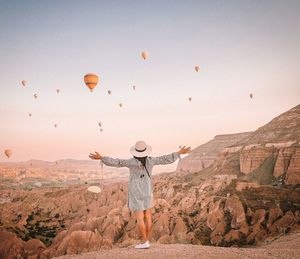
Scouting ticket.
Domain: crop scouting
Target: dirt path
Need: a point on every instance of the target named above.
(284, 247)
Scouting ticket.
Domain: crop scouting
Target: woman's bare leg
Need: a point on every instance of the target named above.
(141, 224)
(148, 220)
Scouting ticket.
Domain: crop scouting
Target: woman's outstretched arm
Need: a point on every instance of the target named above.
(171, 158)
(115, 162)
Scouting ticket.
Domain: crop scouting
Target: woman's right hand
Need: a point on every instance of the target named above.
(95, 156)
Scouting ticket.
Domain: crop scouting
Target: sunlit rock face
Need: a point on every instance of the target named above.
(206, 154)
(280, 165)
(293, 171)
(275, 148)
(251, 159)
(283, 161)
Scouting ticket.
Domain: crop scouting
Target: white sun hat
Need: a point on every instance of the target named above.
(140, 149)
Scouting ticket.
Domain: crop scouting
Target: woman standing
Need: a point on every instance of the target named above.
(140, 190)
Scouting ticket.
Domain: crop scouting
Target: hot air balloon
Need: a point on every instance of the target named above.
(24, 82)
(251, 95)
(180, 147)
(120, 104)
(57, 90)
(190, 99)
(144, 55)
(7, 152)
(55, 125)
(100, 124)
(197, 68)
(91, 80)
(101, 130)
(35, 96)
(133, 87)
(29, 114)
(109, 92)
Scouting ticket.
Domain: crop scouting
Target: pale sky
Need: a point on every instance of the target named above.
(242, 47)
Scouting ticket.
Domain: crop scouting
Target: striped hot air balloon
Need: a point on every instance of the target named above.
(91, 81)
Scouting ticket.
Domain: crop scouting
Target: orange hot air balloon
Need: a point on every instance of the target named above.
(24, 82)
(109, 92)
(91, 80)
(197, 68)
(7, 152)
(144, 55)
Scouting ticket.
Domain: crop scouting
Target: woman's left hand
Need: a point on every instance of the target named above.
(95, 156)
(184, 150)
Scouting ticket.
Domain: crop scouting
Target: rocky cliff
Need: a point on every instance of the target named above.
(205, 155)
(269, 155)
(275, 146)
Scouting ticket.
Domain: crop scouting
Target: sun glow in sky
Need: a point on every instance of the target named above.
(242, 47)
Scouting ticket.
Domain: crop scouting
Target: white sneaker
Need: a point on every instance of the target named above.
(143, 245)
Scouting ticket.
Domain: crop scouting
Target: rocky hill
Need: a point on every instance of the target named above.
(282, 131)
(205, 155)
(272, 153)
(269, 155)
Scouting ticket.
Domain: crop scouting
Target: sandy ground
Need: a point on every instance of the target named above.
(284, 247)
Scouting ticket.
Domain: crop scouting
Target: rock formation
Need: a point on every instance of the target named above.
(269, 155)
(204, 155)
(219, 211)
(276, 147)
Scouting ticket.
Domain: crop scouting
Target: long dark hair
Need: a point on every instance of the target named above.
(143, 161)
